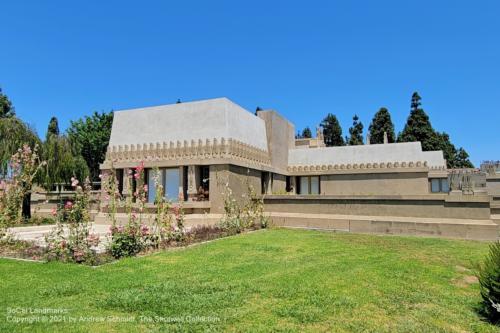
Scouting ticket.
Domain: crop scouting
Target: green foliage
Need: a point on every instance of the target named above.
(355, 132)
(53, 128)
(462, 159)
(90, 137)
(126, 242)
(6, 108)
(332, 131)
(381, 123)
(24, 166)
(306, 133)
(14, 133)
(418, 126)
(63, 162)
(489, 280)
(73, 241)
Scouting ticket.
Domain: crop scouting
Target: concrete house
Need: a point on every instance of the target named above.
(204, 146)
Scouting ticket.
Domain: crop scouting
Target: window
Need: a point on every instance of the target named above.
(309, 185)
(439, 185)
(170, 180)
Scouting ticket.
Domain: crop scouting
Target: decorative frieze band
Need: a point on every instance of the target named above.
(200, 149)
(359, 166)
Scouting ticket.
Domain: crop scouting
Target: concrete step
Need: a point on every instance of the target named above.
(428, 227)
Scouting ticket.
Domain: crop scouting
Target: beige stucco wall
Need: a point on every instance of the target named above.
(237, 178)
(429, 206)
(375, 184)
(280, 137)
(493, 185)
(279, 184)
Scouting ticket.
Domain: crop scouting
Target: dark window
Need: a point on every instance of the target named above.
(288, 183)
(308, 185)
(119, 177)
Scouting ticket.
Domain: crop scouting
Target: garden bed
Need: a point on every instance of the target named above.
(29, 250)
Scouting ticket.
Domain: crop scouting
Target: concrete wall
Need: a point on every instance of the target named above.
(237, 178)
(375, 184)
(493, 184)
(429, 206)
(280, 137)
(279, 184)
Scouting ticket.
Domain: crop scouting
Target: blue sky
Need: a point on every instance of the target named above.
(303, 58)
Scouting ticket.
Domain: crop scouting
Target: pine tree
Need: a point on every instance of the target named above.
(53, 128)
(6, 108)
(355, 132)
(418, 126)
(332, 131)
(442, 142)
(381, 123)
(306, 133)
(462, 159)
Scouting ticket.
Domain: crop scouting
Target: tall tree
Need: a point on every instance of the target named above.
(332, 131)
(90, 137)
(306, 133)
(418, 126)
(441, 141)
(6, 108)
(53, 128)
(355, 132)
(381, 123)
(462, 159)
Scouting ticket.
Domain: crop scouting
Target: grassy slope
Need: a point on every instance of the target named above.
(288, 280)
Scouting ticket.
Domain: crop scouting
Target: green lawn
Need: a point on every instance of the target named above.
(279, 280)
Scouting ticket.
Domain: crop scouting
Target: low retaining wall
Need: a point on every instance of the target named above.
(425, 206)
(433, 215)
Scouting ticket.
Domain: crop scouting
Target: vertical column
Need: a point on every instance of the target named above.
(192, 181)
(124, 181)
(181, 183)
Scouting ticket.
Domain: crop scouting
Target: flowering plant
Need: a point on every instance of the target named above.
(74, 240)
(24, 166)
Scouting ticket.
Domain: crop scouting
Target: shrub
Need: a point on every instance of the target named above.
(242, 214)
(73, 241)
(489, 280)
(24, 166)
(125, 242)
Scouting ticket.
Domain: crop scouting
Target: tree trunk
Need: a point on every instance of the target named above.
(27, 206)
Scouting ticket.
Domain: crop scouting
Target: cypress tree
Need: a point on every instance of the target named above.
(355, 132)
(332, 131)
(53, 128)
(418, 126)
(381, 123)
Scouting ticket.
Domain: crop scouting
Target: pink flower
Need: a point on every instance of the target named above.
(145, 187)
(74, 182)
(144, 230)
(68, 205)
(53, 212)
